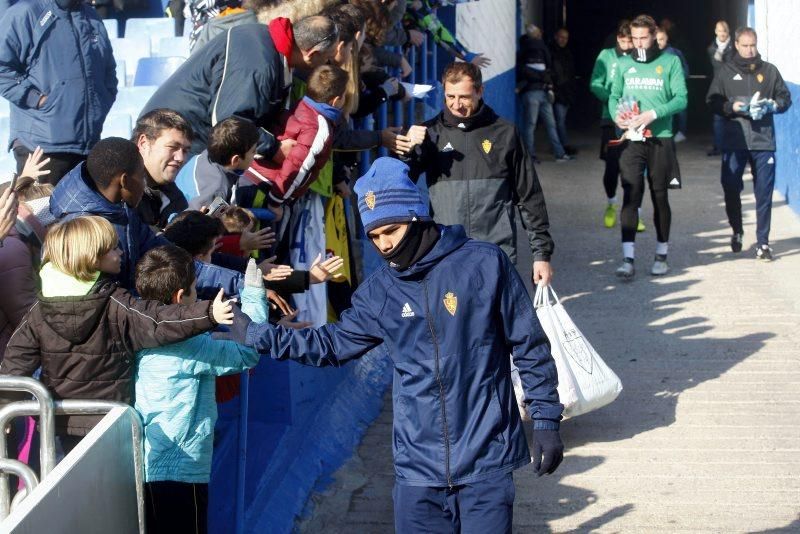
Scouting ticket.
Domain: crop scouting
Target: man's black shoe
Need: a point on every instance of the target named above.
(736, 242)
(764, 252)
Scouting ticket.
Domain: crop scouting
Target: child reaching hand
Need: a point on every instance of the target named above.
(311, 124)
(84, 330)
(175, 390)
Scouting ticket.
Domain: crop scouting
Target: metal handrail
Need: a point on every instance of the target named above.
(47, 422)
(15, 467)
(74, 407)
(7, 413)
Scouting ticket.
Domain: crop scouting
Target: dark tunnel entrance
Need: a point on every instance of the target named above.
(592, 25)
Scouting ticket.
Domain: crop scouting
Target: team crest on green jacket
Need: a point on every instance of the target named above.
(451, 302)
(486, 145)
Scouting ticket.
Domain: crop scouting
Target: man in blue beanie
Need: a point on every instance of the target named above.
(450, 310)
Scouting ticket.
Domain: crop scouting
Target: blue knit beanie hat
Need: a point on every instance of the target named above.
(386, 195)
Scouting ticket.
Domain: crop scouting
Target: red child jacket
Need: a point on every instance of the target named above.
(311, 124)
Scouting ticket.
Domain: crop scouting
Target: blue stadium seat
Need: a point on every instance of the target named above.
(121, 76)
(131, 100)
(153, 28)
(112, 27)
(130, 51)
(172, 46)
(117, 125)
(154, 70)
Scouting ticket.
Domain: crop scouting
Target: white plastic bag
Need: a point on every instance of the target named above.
(585, 382)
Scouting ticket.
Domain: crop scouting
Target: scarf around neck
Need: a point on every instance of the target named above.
(420, 238)
(646, 55)
(747, 64)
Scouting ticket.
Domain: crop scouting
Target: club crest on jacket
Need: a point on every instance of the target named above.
(451, 303)
(487, 145)
(369, 200)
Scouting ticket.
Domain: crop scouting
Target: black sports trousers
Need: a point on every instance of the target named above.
(654, 159)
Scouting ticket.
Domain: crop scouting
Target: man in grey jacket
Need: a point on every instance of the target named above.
(478, 169)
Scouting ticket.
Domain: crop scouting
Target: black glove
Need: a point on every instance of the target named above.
(548, 451)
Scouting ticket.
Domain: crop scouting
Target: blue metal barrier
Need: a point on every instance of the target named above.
(412, 57)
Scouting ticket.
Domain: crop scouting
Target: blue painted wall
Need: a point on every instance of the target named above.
(787, 125)
(305, 423)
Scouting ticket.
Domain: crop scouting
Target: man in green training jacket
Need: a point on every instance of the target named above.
(655, 81)
(603, 74)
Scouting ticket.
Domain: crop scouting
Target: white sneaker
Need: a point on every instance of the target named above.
(660, 266)
(626, 269)
(679, 137)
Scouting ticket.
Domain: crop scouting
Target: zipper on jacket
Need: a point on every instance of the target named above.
(464, 141)
(85, 78)
(441, 388)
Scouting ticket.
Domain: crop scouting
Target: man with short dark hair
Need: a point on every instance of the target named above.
(164, 138)
(246, 72)
(478, 171)
(84, 191)
(535, 89)
(681, 119)
(603, 74)
(653, 86)
(748, 133)
(449, 310)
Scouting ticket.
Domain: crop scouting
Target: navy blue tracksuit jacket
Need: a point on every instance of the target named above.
(450, 322)
(66, 55)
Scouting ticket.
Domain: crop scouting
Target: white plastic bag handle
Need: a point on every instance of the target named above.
(543, 294)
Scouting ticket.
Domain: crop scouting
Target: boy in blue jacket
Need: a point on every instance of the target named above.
(175, 394)
(450, 309)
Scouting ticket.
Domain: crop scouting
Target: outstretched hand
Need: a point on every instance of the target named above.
(34, 164)
(277, 301)
(273, 272)
(322, 271)
(256, 239)
(480, 61)
(222, 310)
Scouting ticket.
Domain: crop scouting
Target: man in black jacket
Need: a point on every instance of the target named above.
(246, 72)
(478, 169)
(535, 88)
(564, 84)
(749, 133)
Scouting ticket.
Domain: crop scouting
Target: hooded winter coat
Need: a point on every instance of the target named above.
(311, 124)
(76, 195)
(66, 55)
(18, 280)
(86, 345)
(449, 322)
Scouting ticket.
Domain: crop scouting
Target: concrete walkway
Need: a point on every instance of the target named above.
(706, 435)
